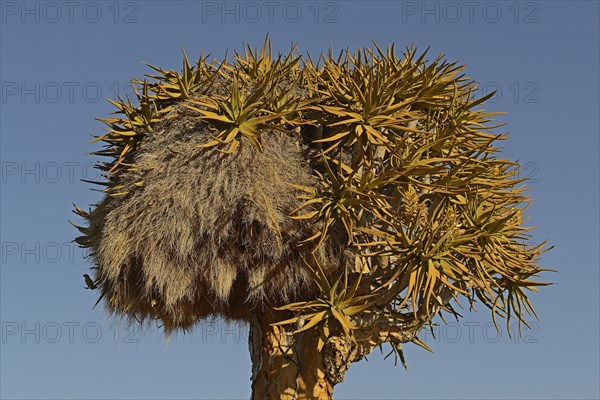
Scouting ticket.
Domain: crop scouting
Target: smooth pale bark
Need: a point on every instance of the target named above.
(286, 366)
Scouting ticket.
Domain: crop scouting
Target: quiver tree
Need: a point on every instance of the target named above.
(335, 206)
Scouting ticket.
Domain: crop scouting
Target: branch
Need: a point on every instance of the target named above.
(375, 329)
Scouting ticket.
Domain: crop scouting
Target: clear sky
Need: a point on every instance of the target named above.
(59, 59)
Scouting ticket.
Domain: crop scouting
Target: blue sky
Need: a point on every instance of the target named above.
(59, 59)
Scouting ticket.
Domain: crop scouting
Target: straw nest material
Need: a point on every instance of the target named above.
(207, 234)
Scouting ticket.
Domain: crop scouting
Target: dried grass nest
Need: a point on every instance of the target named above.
(208, 234)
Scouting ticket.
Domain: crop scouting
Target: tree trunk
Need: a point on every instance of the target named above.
(286, 366)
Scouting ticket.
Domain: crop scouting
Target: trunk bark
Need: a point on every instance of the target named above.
(286, 366)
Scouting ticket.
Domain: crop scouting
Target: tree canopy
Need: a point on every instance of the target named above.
(355, 196)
